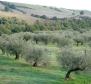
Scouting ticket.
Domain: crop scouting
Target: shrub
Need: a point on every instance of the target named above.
(44, 17)
(6, 8)
(81, 12)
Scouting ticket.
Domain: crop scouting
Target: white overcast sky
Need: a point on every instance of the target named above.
(70, 4)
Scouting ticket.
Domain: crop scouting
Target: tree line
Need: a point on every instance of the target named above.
(13, 25)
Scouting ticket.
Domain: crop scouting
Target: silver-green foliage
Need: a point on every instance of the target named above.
(71, 59)
(36, 55)
(15, 45)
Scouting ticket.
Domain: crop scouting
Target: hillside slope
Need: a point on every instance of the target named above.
(26, 18)
(29, 10)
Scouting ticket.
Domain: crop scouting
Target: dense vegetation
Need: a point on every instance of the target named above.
(13, 25)
(63, 45)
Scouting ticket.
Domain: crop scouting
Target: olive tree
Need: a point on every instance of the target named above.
(27, 36)
(3, 43)
(61, 41)
(41, 37)
(36, 55)
(79, 40)
(87, 36)
(15, 46)
(73, 61)
(45, 38)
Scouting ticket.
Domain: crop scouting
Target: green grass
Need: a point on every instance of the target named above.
(18, 72)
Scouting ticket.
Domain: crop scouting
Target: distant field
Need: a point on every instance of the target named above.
(28, 19)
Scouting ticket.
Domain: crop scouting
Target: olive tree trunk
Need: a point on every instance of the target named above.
(35, 64)
(72, 70)
(16, 56)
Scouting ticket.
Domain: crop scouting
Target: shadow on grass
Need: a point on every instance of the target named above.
(5, 60)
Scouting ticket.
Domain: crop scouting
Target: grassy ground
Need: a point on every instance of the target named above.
(18, 72)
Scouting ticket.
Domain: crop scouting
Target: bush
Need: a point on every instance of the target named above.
(44, 17)
(81, 12)
(6, 8)
(54, 18)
